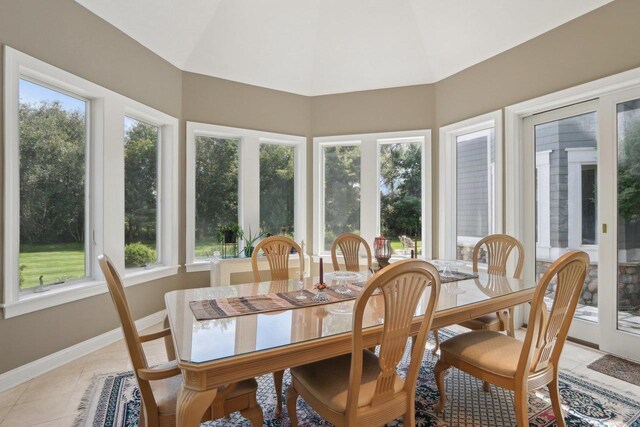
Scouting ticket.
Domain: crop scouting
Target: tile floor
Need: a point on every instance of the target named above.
(52, 399)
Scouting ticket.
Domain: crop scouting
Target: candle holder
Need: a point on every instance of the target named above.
(321, 296)
(382, 251)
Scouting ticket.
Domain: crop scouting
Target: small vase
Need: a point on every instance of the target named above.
(248, 251)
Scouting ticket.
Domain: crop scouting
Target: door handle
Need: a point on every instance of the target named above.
(604, 228)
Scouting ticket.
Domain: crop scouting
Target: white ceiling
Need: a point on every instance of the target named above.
(316, 47)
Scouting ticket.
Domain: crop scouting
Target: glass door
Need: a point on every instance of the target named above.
(621, 225)
(561, 201)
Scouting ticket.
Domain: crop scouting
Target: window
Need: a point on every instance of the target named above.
(277, 188)
(400, 183)
(216, 190)
(86, 171)
(470, 194)
(251, 179)
(53, 180)
(341, 165)
(140, 193)
(475, 164)
(373, 185)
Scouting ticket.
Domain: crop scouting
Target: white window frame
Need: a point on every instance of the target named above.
(167, 184)
(370, 183)
(105, 187)
(576, 158)
(447, 201)
(248, 181)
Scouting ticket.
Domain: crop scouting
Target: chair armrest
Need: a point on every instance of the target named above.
(155, 335)
(155, 374)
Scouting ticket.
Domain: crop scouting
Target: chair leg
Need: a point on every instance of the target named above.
(521, 406)
(440, 370)
(168, 342)
(141, 419)
(512, 323)
(277, 381)
(436, 339)
(409, 419)
(554, 394)
(253, 413)
(292, 399)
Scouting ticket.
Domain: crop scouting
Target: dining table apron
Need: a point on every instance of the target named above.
(205, 369)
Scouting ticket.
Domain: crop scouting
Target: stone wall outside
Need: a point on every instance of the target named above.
(628, 284)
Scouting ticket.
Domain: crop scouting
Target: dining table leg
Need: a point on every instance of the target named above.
(191, 406)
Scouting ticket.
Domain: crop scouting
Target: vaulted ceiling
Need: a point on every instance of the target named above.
(316, 47)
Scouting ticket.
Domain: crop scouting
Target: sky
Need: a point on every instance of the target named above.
(32, 93)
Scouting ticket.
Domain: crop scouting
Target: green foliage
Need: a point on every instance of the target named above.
(629, 173)
(342, 191)
(251, 238)
(52, 173)
(216, 185)
(401, 190)
(141, 182)
(138, 255)
(233, 228)
(276, 187)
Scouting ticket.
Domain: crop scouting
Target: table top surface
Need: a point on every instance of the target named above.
(210, 340)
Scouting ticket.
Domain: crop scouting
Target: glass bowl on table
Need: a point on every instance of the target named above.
(343, 278)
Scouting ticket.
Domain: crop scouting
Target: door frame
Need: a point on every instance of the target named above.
(613, 340)
(581, 329)
(514, 116)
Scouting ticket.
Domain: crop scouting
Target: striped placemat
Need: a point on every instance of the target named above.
(241, 306)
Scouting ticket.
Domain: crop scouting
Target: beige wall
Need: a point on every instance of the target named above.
(384, 110)
(68, 36)
(598, 44)
(64, 34)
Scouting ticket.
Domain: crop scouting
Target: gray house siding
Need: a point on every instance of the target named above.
(472, 190)
(557, 136)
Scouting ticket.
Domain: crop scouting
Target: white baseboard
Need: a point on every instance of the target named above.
(38, 367)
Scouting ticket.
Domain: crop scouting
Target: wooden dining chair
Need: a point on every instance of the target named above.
(277, 250)
(159, 385)
(360, 388)
(522, 366)
(349, 244)
(499, 248)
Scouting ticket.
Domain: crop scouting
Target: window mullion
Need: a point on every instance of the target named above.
(110, 183)
(369, 194)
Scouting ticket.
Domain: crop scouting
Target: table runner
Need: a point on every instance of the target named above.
(278, 301)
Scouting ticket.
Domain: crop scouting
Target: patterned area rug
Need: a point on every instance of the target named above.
(114, 401)
(616, 367)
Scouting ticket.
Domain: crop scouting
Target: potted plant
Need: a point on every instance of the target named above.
(228, 233)
(249, 240)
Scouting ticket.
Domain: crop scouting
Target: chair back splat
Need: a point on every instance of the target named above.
(499, 247)
(548, 329)
(403, 285)
(277, 250)
(349, 245)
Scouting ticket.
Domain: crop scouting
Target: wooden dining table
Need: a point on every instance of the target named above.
(214, 353)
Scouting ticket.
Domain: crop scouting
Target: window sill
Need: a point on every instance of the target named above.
(196, 266)
(59, 295)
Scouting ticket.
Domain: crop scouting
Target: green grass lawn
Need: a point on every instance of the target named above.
(63, 261)
(399, 249)
(206, 247)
